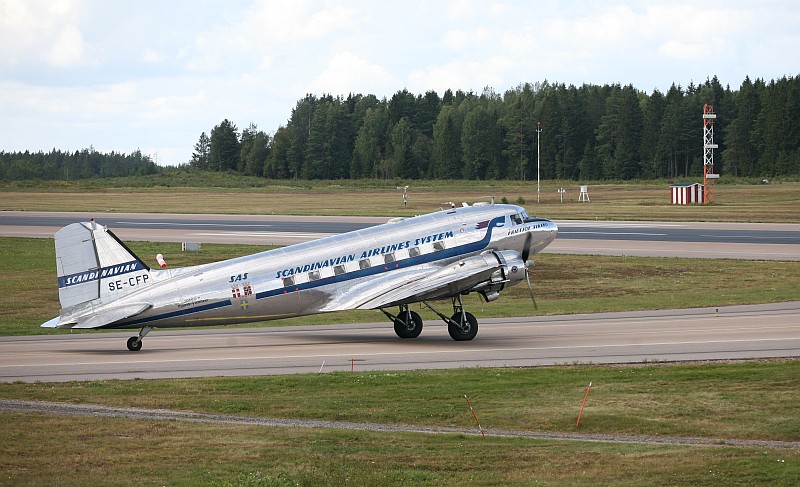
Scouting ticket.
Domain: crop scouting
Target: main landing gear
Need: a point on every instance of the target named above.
(135, 343)
(462, 326)
(407, 324)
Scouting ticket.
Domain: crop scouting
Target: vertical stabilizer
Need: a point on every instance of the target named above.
(92, 263)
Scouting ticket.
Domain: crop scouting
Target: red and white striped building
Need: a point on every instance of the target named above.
(687, 193)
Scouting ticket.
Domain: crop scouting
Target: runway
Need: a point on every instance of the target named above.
(648, 239)
(738, 332)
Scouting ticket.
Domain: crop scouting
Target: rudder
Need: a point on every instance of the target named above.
(92, 262)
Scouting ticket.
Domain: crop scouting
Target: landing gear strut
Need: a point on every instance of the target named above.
(407, 324)
(462, 326)
(135, 343)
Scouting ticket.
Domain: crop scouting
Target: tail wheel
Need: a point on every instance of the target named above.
(462, 327)
(134, 344)
(408, 324)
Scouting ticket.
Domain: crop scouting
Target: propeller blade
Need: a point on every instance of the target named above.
(530, 288)
(526, 249)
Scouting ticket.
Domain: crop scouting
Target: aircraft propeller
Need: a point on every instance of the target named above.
(530, 287)
(526, 252)
(526, 249)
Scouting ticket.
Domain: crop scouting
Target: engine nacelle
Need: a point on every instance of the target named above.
(511, 270)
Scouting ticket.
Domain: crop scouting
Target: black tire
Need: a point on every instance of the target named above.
(408, 328)
(134, 344)
(462, 332)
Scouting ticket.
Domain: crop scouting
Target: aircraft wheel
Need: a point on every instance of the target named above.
(463, 331)
(134, 344)
(406, 327)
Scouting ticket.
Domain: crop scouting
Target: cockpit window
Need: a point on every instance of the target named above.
(524, 215)
(516, 219)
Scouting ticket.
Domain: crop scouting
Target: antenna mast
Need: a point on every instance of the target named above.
(708, 153)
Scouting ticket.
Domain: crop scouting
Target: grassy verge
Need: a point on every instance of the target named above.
(718, 401)
(47, 450)
(650, 200)
(708, 400)
(563, 283)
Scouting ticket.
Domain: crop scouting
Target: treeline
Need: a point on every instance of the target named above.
(87, 163)
(589, 132)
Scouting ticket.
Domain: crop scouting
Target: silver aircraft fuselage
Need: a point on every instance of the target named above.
(346, 271)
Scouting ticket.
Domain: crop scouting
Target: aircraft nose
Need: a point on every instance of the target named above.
(551, 234)
(541, 237)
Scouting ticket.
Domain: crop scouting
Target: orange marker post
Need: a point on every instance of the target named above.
(580, 415)
(475, 416)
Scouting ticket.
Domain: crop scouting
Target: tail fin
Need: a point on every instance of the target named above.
(93, 263)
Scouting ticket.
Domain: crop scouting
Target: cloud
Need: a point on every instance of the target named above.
(460, 10)
(155, 74)
(462, 74)
(47, 33)
(460, 39)
(67, 49)
(151, 56)
(348, 73)
(265, 35)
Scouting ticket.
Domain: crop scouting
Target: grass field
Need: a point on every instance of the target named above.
(777, 202)
(51, 450)
(564, 284)
(708, 400)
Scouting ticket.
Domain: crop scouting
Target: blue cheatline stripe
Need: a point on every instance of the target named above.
(381, 268)
(196, 309)
(378, 269)
(101, 273)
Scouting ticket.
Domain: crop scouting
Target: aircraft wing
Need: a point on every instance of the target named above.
(431, 282)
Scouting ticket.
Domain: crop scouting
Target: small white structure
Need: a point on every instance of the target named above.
(190, 247)
(687, 193)
(405, 195)
(584, 196)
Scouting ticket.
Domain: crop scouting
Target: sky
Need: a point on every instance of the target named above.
(153, 75)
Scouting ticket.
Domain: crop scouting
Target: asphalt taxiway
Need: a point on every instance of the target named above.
(741, 332)
(732, 333)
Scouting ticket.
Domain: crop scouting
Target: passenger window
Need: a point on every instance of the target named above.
(313, 276)
(363, 264)
(413, 252)
(437, 246)
(288, 281)
(339, 270)
(389, 258)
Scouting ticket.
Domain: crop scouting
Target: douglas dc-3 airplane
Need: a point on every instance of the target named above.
(482, 248)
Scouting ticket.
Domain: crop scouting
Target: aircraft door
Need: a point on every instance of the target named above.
(462, 233)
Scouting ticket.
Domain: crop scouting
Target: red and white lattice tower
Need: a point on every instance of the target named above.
(708, 153)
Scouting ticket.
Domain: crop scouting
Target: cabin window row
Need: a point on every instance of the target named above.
(340, 269)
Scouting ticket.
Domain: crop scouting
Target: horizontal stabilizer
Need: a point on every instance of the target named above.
(97, 319)
(52, 323)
